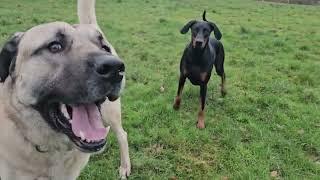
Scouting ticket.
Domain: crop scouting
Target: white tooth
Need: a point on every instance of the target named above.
(121, 73)
(64, 111)
(82, 135)
(70, 121)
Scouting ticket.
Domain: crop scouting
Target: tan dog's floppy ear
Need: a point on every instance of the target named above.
(8, 55)
(186, 27)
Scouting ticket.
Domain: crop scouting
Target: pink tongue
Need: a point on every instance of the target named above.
(87, 123)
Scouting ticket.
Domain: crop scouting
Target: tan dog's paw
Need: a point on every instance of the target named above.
(125, 171)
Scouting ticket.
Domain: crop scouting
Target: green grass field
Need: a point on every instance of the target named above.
(268, 125)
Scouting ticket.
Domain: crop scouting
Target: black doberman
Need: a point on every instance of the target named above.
(198, 59)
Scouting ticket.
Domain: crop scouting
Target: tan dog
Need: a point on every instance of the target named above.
(55, 79)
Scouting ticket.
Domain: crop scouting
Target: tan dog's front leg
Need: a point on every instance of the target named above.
(112, 115)
(125, 166)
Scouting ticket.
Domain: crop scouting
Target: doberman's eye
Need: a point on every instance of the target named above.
(194, 33)
(55, 47)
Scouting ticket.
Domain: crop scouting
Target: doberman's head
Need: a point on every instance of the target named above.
(200, 31)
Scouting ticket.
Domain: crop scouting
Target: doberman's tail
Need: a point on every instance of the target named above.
(204, 15)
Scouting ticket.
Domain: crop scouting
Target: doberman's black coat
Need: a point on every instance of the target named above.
(198, 59)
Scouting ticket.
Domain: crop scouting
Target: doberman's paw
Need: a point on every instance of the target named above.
(223, 90)
(200, 125)
(176, 104)
(176, 107)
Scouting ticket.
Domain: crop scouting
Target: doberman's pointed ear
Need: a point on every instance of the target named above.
(8, 54)
(216, 30)
(186, 27)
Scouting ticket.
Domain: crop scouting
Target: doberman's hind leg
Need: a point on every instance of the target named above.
(177, 100)
(219, 65)
(201, 114)
(223, 89)
(220, 72)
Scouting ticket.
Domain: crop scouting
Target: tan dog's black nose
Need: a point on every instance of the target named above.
(110, 67)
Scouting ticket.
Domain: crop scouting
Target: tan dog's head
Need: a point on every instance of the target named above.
(64, 72)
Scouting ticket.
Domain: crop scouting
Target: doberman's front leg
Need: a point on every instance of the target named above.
(177, 100)
(203, 94)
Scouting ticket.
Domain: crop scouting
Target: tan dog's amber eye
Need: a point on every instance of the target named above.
(106, 48)
(55, 47)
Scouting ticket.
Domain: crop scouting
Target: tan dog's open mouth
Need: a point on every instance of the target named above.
(82, 123)
(86, 122)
